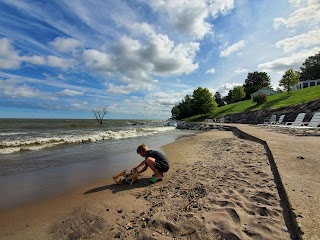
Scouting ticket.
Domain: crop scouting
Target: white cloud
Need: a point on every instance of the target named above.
(303, 40)
(225, 88)
(65, 44)
(69, 92)
(294, 61)
(12, 88)
(240, 70)
(233, 48)
(212, 71)
(54, 61)
(295, 2)
(221, 6)
(153, 105)
(308, 13)
(135, 63)
(9, 58)
(190, 16)
(37, 60)
(123, 89)
(97, 61)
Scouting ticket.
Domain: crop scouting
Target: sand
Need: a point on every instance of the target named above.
(219, 187)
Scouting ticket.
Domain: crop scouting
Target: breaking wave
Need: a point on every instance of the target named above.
(46, 140)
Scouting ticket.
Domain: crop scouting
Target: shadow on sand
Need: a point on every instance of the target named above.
(143, 182)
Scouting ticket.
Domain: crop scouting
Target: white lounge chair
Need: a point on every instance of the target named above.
(279, 122)
(313, 125)
(297, 122)
(268, 121)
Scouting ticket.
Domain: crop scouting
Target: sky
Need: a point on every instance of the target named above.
(138, 58)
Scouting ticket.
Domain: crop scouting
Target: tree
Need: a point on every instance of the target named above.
(256, 81)
(219, 100)
(175, 112)
(183, 109)
(238, 94)
(289, 79)
(202, 101)
(99, 113)
(311, 68)
(260, 98)
(228, 98)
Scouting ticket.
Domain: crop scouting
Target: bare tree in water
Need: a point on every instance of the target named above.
(99, 113)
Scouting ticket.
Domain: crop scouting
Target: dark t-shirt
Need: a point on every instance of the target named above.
(161, 162)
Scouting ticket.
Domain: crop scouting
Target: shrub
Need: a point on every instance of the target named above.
(260, 98)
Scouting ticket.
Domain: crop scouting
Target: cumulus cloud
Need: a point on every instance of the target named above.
(190, 16)
(97, 61)
(308, 13)
(157, 105)
(9, 57)
(135, 63)
(211, 71)
(294, 61)
(54, 61)
(304, 40)
(233, 48)
(65, 44)
(225, 88)
(70, 92)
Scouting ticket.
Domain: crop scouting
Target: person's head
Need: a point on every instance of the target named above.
(142, 150)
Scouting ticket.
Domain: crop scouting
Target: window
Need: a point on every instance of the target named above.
(312, 84)
(318, 83)
(305, 85)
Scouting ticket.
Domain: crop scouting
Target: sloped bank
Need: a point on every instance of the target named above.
(258, 116)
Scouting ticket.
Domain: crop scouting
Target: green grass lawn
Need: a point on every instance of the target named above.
(273, 101)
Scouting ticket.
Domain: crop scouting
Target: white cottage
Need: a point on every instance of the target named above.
(266, 91)
(307, 83)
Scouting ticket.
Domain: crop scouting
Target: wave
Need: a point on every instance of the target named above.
(41, 142)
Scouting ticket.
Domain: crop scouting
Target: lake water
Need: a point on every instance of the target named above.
(45, 157)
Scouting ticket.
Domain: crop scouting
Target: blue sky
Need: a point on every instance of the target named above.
(62, 59)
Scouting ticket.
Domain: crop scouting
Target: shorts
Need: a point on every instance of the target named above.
(161, 166)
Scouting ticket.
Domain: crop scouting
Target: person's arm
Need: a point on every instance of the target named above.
(143, 169)
(142, 163)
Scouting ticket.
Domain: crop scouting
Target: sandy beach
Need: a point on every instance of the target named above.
(219, 187)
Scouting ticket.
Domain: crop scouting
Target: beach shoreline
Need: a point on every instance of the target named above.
(219, 186)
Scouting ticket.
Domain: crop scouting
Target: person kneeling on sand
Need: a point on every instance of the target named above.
(153, 159)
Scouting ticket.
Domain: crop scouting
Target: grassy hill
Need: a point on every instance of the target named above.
(273, 101)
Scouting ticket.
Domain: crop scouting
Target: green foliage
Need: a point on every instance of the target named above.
(219, 100)
(273, 101)
(228, 98)
(256, 81)
(175, 112)
(183, 109)
(238, 93)
(311, 68)
(288, 80)
(202, 101)
(260, 98)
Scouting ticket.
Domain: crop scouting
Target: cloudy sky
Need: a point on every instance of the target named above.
(61, 59)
